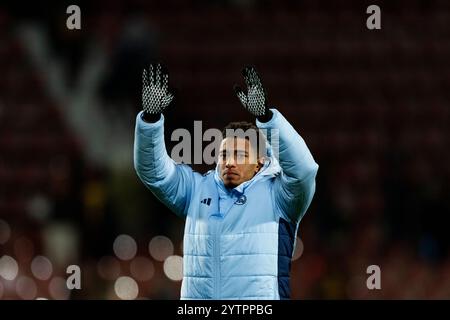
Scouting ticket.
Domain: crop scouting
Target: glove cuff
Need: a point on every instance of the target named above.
(150, 117)
(266, 117)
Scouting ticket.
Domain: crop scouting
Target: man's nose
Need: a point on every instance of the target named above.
(230, 162)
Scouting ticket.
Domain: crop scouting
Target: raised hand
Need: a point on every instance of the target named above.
(155, 90)
(254, 100)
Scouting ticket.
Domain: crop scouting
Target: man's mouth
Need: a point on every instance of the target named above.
(230, 174)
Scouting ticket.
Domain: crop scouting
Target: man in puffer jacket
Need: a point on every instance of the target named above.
(242, 218)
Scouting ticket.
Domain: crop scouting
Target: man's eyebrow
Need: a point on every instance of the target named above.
(235, 151)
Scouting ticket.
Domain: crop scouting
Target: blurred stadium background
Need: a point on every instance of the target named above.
(373, 107)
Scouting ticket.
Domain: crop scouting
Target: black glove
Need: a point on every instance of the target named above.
(255, 101)
(155, 92)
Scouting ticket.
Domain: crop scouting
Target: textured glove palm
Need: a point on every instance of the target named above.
(254, 101)
(155, 91)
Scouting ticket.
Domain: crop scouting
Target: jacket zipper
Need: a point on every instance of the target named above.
(217, 221)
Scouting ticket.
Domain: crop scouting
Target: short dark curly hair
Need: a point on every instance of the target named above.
(245, 126)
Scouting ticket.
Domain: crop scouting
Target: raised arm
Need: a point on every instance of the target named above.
(295, 186)
(171, 183)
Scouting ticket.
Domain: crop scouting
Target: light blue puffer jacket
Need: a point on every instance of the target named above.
(238, 244)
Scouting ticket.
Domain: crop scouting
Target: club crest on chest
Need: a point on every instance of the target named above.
(241, 200)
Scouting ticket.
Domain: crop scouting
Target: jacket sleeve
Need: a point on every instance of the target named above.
(294, 188)
(171, 183)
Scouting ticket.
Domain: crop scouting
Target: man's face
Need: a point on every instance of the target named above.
(238, 161)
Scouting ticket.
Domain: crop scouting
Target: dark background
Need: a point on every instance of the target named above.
(372, 105)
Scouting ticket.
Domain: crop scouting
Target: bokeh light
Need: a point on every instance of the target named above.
(298, 251)
(58, 289)
(8, 268)
(125, 247)
(39, 207)
(26, 288)
(142, 268)
(5, 231)
(108, 268)
(160, 247)
(61, 243)
(126, 288)
(23, 249)
(173, 268)
(42, 268)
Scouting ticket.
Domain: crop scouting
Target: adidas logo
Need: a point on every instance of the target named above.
(206, 201)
